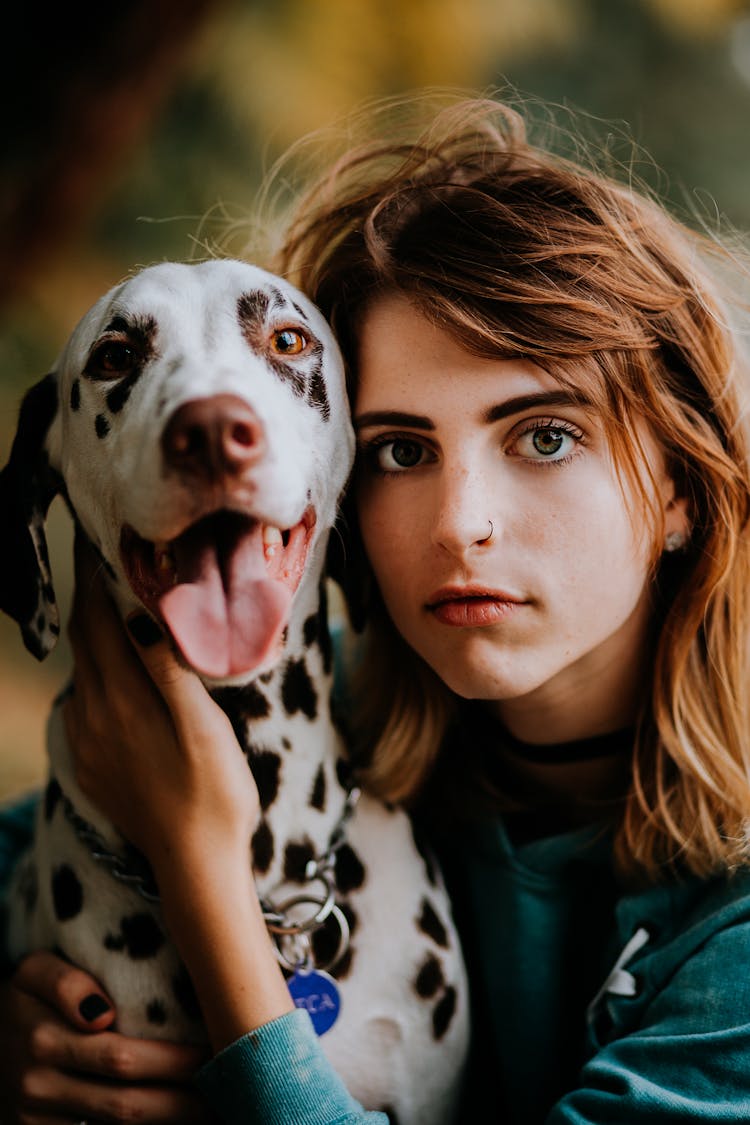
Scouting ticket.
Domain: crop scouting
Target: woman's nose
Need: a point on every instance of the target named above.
(465, 515)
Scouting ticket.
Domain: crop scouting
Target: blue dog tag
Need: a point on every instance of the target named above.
(318, 994)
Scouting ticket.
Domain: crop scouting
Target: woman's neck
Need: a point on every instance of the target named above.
(544, 789)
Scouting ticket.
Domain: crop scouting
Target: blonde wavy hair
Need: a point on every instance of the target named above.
(519, 252)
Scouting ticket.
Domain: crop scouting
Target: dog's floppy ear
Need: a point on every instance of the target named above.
(346, 562)
(28, 485)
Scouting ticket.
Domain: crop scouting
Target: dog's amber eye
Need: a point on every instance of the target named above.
(111, 360)
(288, 341)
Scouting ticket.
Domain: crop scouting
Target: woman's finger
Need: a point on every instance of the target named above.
(74, 1097)
(70, 992)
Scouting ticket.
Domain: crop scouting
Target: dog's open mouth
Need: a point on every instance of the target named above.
(223, 587)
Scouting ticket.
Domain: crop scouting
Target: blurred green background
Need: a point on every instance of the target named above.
(138, 133)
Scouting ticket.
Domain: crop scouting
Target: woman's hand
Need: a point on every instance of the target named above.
(160, 759)
(151, 748)
(60, 1063)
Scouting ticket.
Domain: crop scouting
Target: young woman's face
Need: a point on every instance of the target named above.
(504, 548)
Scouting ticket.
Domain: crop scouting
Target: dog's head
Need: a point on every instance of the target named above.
(197, 424)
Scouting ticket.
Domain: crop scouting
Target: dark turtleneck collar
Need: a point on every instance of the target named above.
(539, 790)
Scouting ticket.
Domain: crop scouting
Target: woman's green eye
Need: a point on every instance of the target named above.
(548, 441)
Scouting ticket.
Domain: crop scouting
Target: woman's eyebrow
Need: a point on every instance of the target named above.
(533, 401)
(493, 414)
(392, 418)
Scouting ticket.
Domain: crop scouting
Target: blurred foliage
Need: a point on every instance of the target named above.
(260, 74)
(264, 73)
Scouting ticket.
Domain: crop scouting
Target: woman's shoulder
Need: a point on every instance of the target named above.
(687, 910)
(696, 928)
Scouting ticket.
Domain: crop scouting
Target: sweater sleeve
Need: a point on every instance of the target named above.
(276, 1074)
(688, 1059)
(16, 831)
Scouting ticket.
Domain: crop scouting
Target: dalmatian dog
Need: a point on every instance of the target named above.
(196, 424)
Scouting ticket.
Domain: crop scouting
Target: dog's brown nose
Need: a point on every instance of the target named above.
(213, 437)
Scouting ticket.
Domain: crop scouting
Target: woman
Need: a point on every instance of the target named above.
(552, 495)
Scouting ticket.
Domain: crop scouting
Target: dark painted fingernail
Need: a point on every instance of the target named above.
(144, 630)
(93, 1006)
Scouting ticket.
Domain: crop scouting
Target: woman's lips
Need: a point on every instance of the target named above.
(468, 608)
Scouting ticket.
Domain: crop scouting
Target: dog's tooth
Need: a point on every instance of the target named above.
(271, 540)
(164, 558)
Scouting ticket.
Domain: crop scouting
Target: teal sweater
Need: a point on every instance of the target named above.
(591, 1006)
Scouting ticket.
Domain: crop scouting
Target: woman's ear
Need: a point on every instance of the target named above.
(677, 522)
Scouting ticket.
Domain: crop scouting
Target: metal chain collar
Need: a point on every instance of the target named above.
(291, 933)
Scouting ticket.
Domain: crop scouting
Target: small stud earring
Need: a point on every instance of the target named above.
(675, 541)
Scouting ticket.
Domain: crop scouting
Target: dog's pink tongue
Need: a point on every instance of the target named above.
(225, 614)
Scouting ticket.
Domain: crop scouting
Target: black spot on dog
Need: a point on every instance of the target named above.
(54, 629)
(43, 549)
(324, 634)
(297, 690)
(351, 917)
(430, 924)
(443, 1013)
(297, 855)
(52, 795)
(350, 873)
(344, 773)
(101, 425)
(286, 743)
(48, 593)
(318, 394)
(241, 704)
(343, 966)
(429, 978)
(140, 937)
(75, 395)
(318, 795)
(266, 768)
(315, 630)
(262, 847)
(325, 943)
(279, 301)
(28, 886)
(427, 856)
(67, 893)
(184, 994)
(119, 395)
(310, 630)
(156, 1013)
